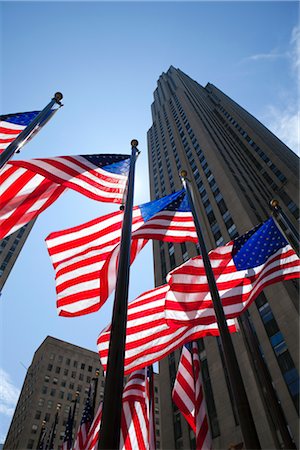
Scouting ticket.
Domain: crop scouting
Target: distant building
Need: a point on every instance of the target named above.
(10, 248)
(57, 371)
(236, 166)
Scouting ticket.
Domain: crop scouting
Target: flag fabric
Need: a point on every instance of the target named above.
(85, 424)
(29, 187)
(242, 269)
(135, 409)
(67, 441)
(85, 257)
(93, 434)
(148, 336)
(188, 396)
(134, 419)
(11, 125)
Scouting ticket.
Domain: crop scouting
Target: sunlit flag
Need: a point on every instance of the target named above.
(85, 257)
(11, 125)
(85, 423)
(242, 269)
(29, 187)
(148, 336)
(188, 396)
(134, 419)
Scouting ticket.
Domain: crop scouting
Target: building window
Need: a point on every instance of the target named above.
(60, 358)
(57, 370)
(52, 392)
(90, 368)
(34, 429)
(41, 402)
(68, 361)
(50, 366)
(49, 404)
(46, 379)
(55, 380)
(75, 364)
(82, 366)
(37, 415)
(44, 390)
(30, 443)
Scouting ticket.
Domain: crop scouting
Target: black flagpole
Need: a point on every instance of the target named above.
(40, 444)
(19, 141)
(277, 211)
(94, 391)
(151, 408)
(113, 390)
(53, 431)
(248, 429)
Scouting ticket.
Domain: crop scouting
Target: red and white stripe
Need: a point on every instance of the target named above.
(188, 300)
(8, 133)
(189, 397)
(93, 434)
(79, 255)
(85, 258)
(148, 336)
(29, 187)
(134, 420)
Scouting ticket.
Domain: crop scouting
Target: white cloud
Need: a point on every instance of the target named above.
(295, 52)
(9, 394)
(272, 55)
(284, 123)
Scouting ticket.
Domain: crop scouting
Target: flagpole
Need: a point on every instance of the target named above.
(277, 210)
(109, 436)
(152, 427)
(248, 429)
(18, 142)
(42, 434)
(95, 387)
(72, 420)
(53, 431)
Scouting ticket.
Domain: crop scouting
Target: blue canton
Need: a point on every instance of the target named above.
(255, 247)
(24, 118)
(87, 415)
(118, 164)
(173, 202)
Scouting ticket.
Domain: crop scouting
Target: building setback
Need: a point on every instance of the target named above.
(57, 371)
(236, 166)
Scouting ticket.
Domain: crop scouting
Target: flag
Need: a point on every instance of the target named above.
(93, 434)
(11, 125)
(188, 396)
(85, 423)
(148, 336)
(242, 269)
(134, 419)
(29, 187)
(67, 441)
(85, 257)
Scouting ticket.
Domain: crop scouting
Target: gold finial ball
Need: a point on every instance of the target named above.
(134, 143)
(58, 96)
(58, 406)
(77, 393)
(183, 173)
(274, 203)
(97, 373)
(122, 207)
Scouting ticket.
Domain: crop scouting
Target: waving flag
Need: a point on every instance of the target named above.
(11, 125)
(188, 396)
(85, 423)
(242, 269)
(148, 336)
(29, 187)
(85, 257)
(67, 441)
(135, 418)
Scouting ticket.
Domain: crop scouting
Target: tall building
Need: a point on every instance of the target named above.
(57, 371)
(10, 248)
(236, 166)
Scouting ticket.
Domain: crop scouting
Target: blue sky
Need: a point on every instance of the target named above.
(106, 59)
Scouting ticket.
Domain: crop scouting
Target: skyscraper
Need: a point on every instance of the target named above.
(236, 166)
(10, 248)
(57, 371)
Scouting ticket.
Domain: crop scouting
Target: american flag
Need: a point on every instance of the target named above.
(11, 125)
(85, 257)
(188, 396)
(85, 424)
(29, 187)
(134, 419)
(242, 269)
(67, 441)
(148, 336)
